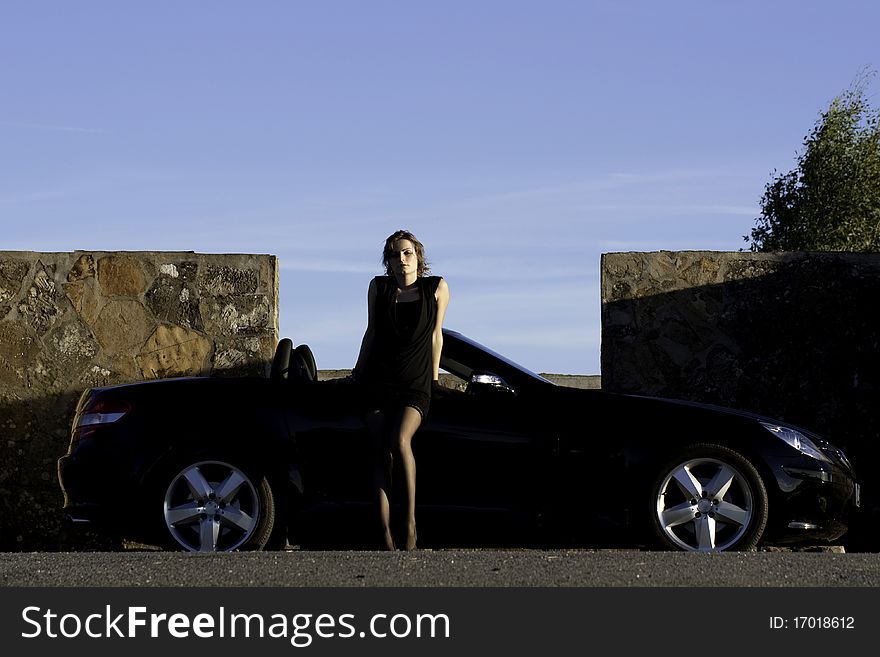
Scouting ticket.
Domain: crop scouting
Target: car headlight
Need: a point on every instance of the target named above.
(797, 440)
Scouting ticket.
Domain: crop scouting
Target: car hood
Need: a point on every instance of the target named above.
(657, 404)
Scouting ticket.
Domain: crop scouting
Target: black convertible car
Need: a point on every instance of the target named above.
(505, 456)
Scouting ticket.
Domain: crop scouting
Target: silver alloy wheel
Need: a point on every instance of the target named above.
(211, 506)
(705, 505)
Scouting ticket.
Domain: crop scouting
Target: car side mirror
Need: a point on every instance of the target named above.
(482, 383)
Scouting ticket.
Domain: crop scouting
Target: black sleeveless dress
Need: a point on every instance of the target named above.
(399, 370)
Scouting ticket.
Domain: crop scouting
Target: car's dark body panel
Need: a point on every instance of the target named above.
(577, 461)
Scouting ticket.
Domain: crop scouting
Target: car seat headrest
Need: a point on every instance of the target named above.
(302, 364)
(281, 360)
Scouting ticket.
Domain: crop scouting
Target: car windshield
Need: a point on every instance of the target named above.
(519, 368)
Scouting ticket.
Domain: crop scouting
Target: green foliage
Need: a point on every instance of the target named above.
(831, 200)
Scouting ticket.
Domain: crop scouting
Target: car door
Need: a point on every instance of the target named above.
(484, 448)
(333, 454)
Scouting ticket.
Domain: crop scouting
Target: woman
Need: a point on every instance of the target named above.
(398, 364)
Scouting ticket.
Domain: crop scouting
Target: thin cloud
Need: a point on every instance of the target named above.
(648, 209)
(537, 305)
(501, 268)
(51, 128)
(601, 182)
(552, 338)
(579, 209)
(664, 245)
(43, 195)
(297, 263)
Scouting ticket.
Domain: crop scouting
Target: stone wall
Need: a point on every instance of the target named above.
(790, 335)
(69, 321)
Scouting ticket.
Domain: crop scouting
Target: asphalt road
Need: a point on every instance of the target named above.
(441, 568)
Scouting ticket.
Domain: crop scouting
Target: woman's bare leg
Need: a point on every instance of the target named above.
(402, 434)
(383, 461)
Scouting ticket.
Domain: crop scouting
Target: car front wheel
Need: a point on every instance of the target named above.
(215, 506)
(709, 499)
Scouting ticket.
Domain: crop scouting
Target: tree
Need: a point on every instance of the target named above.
(831, 200)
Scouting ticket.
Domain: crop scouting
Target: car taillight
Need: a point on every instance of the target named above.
(101, 411)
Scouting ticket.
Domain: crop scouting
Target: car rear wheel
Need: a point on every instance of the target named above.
(709, 499)
(215, 506)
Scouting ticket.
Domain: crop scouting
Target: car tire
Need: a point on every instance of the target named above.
(708, 499)
(218, 505)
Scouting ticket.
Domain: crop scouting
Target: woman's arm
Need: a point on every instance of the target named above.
(370, 333)
(442, 296)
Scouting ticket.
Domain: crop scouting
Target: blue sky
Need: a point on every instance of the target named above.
(518, 140)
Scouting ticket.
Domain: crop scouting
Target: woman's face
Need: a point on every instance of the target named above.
(403, 258)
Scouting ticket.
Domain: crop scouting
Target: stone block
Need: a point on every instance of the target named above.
(238, 315)
(174, 351)
(38, 305)
(12, 275)
(121, 275)
(122, 326)
(174, 295)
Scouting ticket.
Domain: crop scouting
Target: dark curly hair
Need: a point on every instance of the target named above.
(423, 266)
